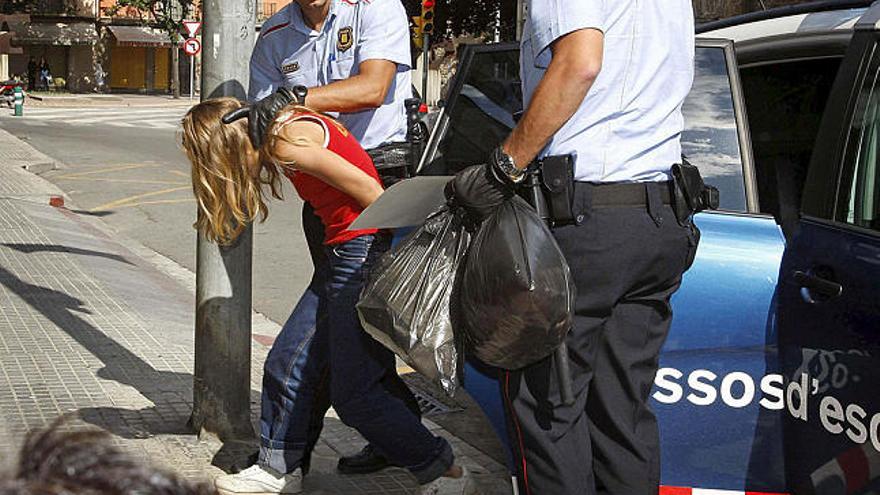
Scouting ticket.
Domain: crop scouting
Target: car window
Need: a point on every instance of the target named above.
(785, 91)
(711, 139)
(482, 115)
(860, 192)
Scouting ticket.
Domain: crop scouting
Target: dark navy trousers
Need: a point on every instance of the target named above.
(626, 261)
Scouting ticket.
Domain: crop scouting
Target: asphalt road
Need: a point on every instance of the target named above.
(125, 166)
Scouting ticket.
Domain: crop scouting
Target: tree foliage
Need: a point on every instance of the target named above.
(28, 6)
(165, 15)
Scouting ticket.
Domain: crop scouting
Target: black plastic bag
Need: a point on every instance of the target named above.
(517, 293)
(405, 304)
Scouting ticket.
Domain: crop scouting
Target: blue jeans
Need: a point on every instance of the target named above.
(365, 389)
(296, 381)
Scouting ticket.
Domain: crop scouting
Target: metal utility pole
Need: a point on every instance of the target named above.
(426, 42)
(175, 66)
(520, 18)
(221, 388)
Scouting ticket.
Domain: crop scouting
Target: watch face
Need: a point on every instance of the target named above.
(504, 160)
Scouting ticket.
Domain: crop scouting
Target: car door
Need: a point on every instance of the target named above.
(717, 430)
(829, 292)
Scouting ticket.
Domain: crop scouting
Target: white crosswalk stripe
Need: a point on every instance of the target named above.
(151, 117)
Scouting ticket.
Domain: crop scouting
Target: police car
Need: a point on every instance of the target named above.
(770, 379)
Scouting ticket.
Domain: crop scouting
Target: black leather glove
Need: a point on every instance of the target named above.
(261, 114)
(479, 189)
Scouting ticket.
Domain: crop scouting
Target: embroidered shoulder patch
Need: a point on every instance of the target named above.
(345, 38)
(290, 68)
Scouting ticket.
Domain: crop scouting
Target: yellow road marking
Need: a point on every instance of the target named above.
(131, 181)
(132, 199)
(157, 202)
(105, 170)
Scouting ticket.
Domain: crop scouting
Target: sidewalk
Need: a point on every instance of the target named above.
(103, 327)
(106, 100)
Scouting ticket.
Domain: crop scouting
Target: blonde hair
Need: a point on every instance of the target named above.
(274, 136)
(230, 181)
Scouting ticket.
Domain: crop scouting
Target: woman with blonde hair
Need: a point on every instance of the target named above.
(331, 172)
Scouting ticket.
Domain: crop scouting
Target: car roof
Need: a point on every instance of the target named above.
(796, 24)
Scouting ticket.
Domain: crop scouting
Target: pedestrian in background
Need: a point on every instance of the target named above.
(31, 73)
(603, 86)
(45, 74)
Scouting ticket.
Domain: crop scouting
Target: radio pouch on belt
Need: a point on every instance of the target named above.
(557, 180)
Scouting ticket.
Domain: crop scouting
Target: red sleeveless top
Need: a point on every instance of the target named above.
(336, 209)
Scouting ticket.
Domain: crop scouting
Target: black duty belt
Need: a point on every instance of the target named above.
(624, 193)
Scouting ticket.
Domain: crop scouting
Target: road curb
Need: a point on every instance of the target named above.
(94, 101)
(17, 153)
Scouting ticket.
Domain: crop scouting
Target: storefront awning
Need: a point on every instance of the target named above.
(139, 36)
(54, 33)
(6, 47)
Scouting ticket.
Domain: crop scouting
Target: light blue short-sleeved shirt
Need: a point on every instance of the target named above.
(288, 53)
(629, 125)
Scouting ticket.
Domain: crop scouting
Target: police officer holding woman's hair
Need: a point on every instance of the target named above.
(354, 58)
(603, 84)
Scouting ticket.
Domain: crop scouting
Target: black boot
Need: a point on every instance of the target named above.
(368, 460)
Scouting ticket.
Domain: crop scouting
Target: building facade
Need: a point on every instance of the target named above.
(90, 46)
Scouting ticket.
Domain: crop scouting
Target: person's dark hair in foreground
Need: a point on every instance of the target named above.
(53, 461)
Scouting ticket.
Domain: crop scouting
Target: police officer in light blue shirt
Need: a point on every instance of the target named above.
(358, 43)
(603, 84)
(353, 56)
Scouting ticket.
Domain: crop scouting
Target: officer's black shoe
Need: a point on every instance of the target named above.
(368, 460)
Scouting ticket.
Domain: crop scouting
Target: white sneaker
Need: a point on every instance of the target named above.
(259, 479)
(451, 486)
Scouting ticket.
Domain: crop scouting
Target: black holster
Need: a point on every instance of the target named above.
(692, 195)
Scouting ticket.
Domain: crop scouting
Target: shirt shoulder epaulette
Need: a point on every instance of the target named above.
(279, 21)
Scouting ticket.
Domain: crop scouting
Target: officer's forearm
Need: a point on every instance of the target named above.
(577, 59)
(368, 89)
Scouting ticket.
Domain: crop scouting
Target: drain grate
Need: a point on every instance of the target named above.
(429, 405)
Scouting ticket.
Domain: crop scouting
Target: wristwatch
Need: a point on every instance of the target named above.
(507, 166)
(299, 93)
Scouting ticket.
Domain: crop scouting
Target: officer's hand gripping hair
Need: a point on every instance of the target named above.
(261, 114)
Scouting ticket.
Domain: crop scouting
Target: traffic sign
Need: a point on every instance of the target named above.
(192, 47)
(192, 27)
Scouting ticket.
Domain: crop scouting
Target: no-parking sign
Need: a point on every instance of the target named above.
(192, 46)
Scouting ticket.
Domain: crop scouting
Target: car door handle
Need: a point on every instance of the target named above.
(824, 287)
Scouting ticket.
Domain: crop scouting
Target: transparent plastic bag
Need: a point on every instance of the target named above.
(405, 304)
(517, 292)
